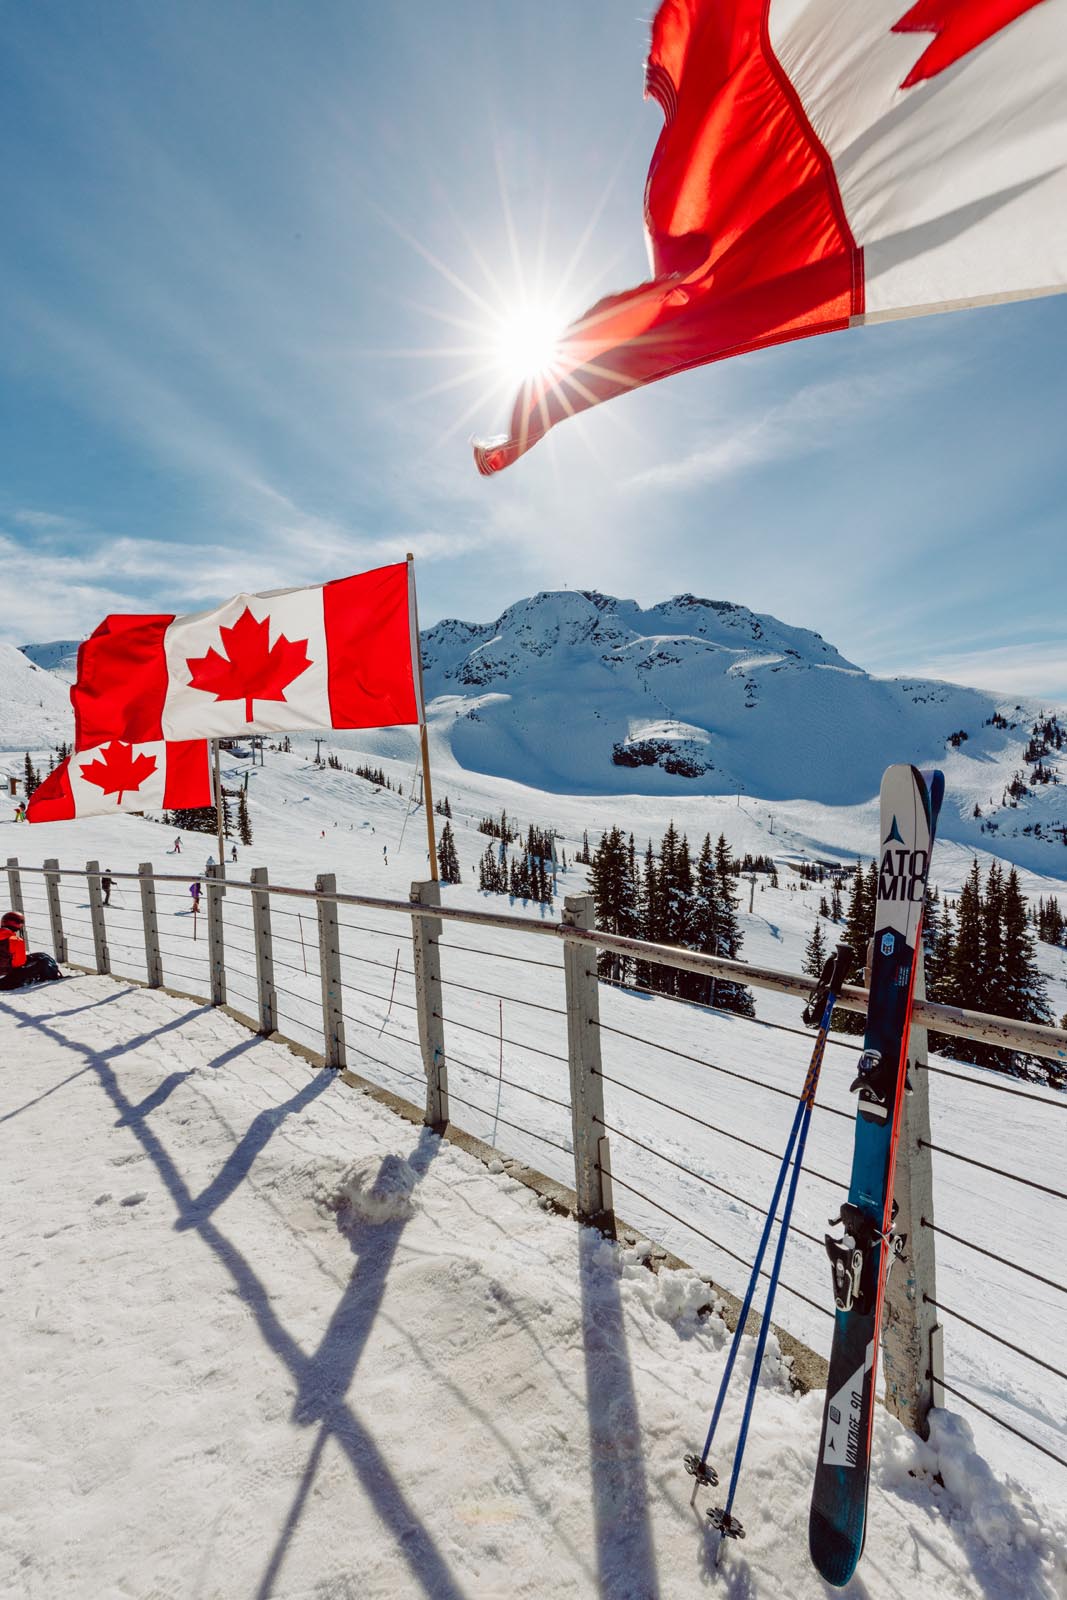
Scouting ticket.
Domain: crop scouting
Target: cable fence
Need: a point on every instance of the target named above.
(680, 1106)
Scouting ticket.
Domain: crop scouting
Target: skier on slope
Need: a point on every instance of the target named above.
(106, 883)
(18, 968)
(194, 890)
(178, 845)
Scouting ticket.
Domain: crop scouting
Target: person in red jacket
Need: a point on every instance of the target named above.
(19, 967)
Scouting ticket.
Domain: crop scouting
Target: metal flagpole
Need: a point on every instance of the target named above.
(416, 647)
(218, 809)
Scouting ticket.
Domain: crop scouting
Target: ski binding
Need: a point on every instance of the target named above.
(848, 1255)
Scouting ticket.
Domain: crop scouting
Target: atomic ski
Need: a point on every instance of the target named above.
(861, 1257)
(818, 1012)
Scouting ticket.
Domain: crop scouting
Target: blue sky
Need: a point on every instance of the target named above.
(254, 257)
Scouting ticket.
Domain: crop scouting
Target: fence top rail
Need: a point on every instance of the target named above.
(1032, 1037)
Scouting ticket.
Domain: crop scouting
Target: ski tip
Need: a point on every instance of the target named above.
(833, 1553)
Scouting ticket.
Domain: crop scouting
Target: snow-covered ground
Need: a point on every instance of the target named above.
(265, 1338)
(309, 820)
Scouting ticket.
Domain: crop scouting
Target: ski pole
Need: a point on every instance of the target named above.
(821, 1005)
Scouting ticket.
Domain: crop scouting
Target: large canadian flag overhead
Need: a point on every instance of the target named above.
(124, 777)
(825, 164)
(337, 655)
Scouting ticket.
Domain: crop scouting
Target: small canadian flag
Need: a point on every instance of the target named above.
(125, 777)
(336, 655)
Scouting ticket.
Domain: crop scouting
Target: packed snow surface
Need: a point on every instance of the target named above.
(264, 1337)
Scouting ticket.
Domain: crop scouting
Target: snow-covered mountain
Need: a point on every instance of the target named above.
(583, 693)
(579, 693)
(60, 657)
(34, 704)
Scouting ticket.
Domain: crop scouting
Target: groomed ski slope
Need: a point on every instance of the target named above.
(264, 1337)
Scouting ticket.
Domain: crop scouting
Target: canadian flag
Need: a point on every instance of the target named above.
(822, 165)
(338, 655)
(125, 777)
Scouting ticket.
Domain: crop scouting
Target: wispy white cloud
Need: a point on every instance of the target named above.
(1024, 667)
(807, 421)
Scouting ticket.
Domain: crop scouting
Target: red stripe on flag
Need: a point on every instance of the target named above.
(750, 242)
(53, 799)
(369, 649)
(122, 682)
(187, 781)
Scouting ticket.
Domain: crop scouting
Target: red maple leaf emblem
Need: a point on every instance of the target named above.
(252, 668)
(959, 25)
(118, 772)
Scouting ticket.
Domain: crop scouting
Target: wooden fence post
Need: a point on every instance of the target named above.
(909, 1324)
(55, 909)
(14, 885)
(216, 949)
(333, 1021)
(152, 959)
(268, 1005)
(592, 1159)
(96, 914)
(425, 932)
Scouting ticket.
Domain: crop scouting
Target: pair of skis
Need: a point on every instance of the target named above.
(861, 1257)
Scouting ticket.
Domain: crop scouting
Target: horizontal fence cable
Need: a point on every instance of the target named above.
(979, 1327)
(359, 927)
(753, 1205)
(512, 999)
(523, 1088)
(835, 1183)
(504, 1123)
(518, 1044)
(1004, 1261)
(354, 988)
(1009, 1427)
(998, 1088)
(728, 1072)
(1000, 1172)
(721, 1011)
(369, 961)
(378, 1062)
(498, 955)
(657, 1206)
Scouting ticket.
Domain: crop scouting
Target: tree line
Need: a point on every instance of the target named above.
(668, 898)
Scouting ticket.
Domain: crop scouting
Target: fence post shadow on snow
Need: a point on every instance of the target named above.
(913, 1363)
(320, 1394)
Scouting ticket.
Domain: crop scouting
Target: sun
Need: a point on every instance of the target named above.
(527, 341)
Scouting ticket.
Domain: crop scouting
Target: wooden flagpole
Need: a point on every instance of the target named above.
(427, 786)
(218, 809)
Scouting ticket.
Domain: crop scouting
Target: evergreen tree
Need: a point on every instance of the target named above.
(836, 909)
(965, 970)
(729, 996)
(859, 930)
(990, 977)
(706, 920)
(447, 856)
(815, 953)
(612, 886)
(31, 777)
(244, 825)
(1024, 991)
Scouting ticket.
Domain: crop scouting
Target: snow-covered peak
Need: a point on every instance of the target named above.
(59, 656)
(34, 704)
